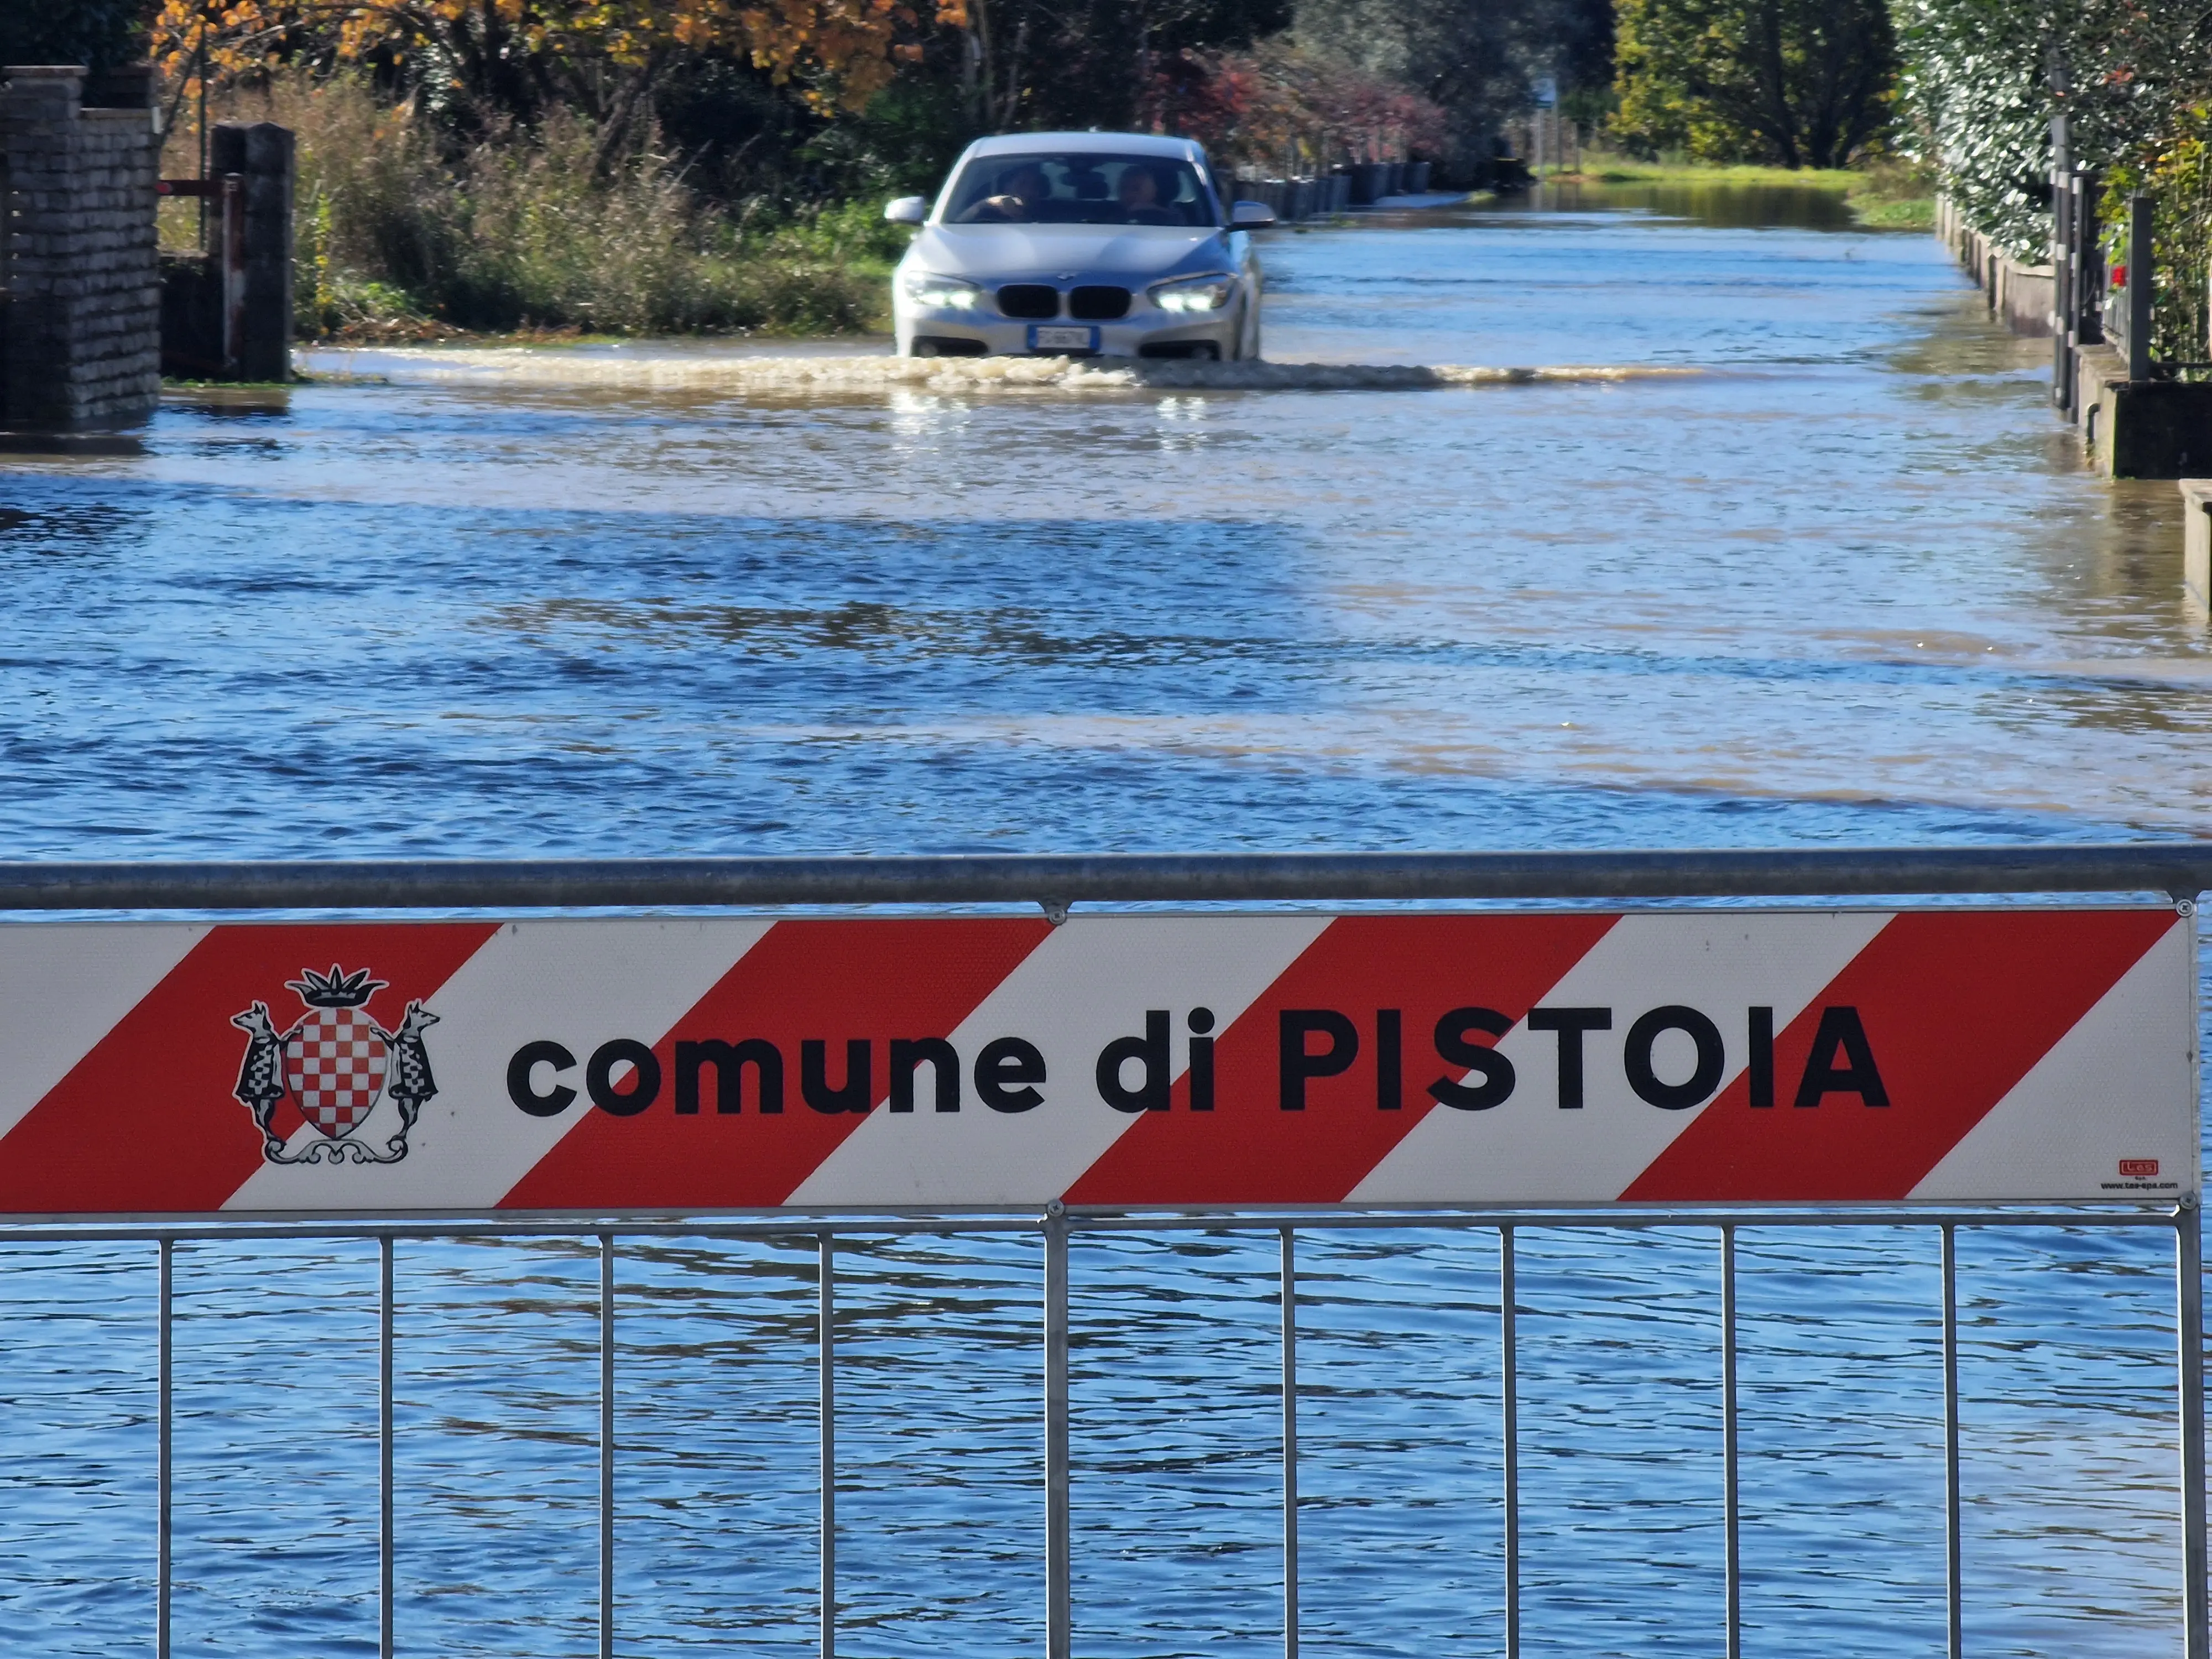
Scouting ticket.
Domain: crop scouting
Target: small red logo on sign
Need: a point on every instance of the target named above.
(2139, 1166)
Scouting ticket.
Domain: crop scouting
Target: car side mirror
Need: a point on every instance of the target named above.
(908, 210)
(1251, 216)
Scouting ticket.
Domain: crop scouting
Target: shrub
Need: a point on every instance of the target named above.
(540, 230)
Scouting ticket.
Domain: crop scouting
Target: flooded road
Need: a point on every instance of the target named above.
(1849, 583)
(1846, 583)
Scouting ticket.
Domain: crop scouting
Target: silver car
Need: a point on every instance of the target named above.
(1079, 244)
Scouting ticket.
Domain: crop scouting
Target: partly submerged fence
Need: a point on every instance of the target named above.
(1055, 1230)
(2179, 870)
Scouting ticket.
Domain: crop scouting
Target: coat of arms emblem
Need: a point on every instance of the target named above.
(340, 1068)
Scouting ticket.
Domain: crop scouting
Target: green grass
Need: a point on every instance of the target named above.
(1915, 213)
(1886, 195)
(1603, 169)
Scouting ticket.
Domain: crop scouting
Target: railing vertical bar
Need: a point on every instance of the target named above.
(1952, 1543)
(1510, 1391)
(1731, 1516)
(2189, 1272)
(1059, 1613)
(826, 1284)
(1290, 1444)
(606, 1446)
(385, 1612)
(164, 1414)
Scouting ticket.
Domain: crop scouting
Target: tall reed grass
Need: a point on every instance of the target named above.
(399, 236)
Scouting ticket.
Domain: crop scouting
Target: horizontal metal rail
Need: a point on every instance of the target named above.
(2181, 869)
(810, 1227)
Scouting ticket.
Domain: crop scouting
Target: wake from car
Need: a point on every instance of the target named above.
(768, 376)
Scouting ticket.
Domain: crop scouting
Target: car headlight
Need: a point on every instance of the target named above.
(1194, 294)
(927, 288)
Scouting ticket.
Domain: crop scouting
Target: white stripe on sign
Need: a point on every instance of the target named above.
(2103, 1093)
(1529, 1150)
(68, 985)
(1089, 982)
(584, 982)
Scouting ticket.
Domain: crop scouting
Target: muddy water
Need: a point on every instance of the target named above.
(1846, 583)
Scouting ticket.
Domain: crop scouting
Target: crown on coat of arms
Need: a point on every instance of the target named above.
(336, 989)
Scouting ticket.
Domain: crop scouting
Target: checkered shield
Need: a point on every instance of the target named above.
(334, 1067)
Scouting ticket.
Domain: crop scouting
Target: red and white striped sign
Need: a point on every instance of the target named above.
(749, 1063)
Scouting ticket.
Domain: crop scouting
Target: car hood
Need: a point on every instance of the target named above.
(1130, 253)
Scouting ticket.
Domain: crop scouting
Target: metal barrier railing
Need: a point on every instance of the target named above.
(1056, 1228)
(2180, 869)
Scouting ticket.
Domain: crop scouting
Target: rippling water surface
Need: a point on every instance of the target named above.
(1848, 584)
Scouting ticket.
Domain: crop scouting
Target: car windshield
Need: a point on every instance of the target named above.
(1080, 190)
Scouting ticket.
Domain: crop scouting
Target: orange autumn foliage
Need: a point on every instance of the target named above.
(841, 52)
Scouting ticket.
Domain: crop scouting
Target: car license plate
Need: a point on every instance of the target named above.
(1043, 337)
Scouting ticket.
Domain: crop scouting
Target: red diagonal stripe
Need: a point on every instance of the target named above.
(1958, 1006)
(1249, 1151)
(826, 980)
(146, 1123)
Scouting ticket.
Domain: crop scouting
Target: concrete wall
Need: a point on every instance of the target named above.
(2023, 297)
(2150, 429)
(1298, 198)
(2197, 541)
(2154, 429)
(80, 332)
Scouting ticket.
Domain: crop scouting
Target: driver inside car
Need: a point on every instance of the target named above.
(1021, 193)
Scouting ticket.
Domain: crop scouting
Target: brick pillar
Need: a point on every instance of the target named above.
(262, 153)
(82, 336)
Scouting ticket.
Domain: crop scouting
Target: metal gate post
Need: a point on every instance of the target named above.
(1059, 1616)
(1952, 1540)
(2087, 262)
(384, 1634)
(1510, 1394)
(2062, 241)
(826, 1283)
(163, 1415)
(1289, 1445)
(2143, 284)
(606, 1446)
(2189, 1286)
(1732, 1642)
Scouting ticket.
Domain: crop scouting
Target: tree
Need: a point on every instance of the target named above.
(2134, 81)
(1474, 59)
(503, 60)
(1984, 78)
(1282, 105)
(1796, 82)
(1095, 63)
(98, 34)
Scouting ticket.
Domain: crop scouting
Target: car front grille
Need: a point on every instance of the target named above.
(1098, 305)
(1029, 299)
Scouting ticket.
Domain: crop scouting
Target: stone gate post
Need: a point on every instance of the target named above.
(80, 335)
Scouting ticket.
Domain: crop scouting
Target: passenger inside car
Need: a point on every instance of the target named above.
(1140, 197)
